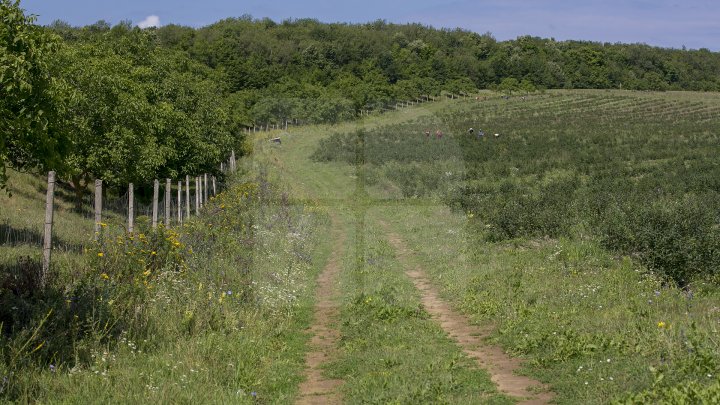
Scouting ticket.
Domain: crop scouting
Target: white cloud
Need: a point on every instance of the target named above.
(149, 21)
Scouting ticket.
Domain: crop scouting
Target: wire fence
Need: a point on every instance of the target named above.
(167, 202)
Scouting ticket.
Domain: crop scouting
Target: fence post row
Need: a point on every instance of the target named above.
(156, 191)
(47, 240)
(168, 186)
(131, 208)
(98, 207)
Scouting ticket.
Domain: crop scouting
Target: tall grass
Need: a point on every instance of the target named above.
(212, 311)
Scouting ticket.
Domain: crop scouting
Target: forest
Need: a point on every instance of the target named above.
(121, 103)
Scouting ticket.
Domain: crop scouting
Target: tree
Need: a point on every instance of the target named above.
(28, 95)
(509, 85)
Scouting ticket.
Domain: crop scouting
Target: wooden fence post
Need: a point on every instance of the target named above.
(232, 161)
(179, 203)
(205, 188)
(187, 196)
(168, 186)
(131, 207)
(197, 197)
(156, 192)
(47, 241)
(200, 191)
(98, 207)
(214, 189)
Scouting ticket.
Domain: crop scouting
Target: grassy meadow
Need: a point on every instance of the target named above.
(585, 236)
(586, 232)
(209, 312)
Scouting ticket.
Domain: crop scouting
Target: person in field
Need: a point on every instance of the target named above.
(471, 131)
(480, 134)
(427, 133)
(438, 134)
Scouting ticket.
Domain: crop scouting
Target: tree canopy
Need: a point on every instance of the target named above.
(126, 104)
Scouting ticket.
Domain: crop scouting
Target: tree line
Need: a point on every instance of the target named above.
(113, 104)
(124, 104)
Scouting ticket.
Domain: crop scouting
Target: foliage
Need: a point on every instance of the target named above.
(365, 66)
(140, 112)
(29, 136)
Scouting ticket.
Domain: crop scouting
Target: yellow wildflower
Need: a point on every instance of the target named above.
(661, 324)
(105, 276)
(101, 254)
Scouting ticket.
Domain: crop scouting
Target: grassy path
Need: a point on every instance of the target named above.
(316, 388)
(396, 341)
(470, 337)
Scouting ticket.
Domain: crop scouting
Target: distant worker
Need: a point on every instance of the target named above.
(497, 135)
(480, 134)
(438, 134)
(427, 133)
(471, 131)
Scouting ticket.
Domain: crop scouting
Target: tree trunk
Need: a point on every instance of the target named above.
(79, 188)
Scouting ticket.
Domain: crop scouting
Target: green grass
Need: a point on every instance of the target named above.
(576, 314)
(211, 312)
(590, 319)
(560, 295)
(390, 350)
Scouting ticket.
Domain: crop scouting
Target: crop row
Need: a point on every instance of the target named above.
(639, 173)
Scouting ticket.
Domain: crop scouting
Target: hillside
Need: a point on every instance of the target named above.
(354, 213)
(505, 228)
(317, 72)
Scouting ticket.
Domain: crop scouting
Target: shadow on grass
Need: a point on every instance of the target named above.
(11, 236)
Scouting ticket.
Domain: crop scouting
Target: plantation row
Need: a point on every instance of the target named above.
(638, 172)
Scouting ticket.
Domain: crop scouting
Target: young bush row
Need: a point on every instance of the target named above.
(637, 172)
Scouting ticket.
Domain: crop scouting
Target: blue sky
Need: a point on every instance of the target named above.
(668, 23)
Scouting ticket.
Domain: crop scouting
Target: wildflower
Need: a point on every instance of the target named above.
(105, 276)
(661, 324)
(146, 273)
(153, 253)
(103, 224)
(52, 368)
(101, 254)
(229, 292)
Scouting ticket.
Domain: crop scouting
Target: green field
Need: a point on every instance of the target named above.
(584, 240)
(586, 232)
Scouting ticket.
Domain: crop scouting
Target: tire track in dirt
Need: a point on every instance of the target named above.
(317, 389)
(470, 337)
